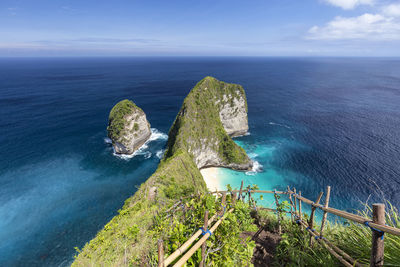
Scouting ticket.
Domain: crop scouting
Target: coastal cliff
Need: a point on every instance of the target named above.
(198, 138)
(211, 113)
(128, 127)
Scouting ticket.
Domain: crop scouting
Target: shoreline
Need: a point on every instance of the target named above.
(212, 178)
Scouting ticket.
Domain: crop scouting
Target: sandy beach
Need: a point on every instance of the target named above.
(210, 176)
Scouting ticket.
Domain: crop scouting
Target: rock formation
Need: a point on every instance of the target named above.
(128, 127)
(211, 113)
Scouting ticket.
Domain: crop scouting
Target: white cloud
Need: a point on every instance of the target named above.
(349, 4)
(392, 10)
(366, 27)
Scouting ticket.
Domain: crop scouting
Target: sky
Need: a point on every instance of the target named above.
(199, 28)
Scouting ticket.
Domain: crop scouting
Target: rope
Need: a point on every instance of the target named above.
(205, 232)
(308, 228)
(366, 223)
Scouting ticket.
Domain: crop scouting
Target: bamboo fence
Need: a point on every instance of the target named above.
(377, 225)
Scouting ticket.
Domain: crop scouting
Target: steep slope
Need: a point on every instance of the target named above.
(197, 139)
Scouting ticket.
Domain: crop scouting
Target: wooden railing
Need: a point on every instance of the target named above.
(377, 225)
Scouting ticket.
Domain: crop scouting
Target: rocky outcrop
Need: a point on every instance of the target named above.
(211, 113)
(233, 114)
(128, 127)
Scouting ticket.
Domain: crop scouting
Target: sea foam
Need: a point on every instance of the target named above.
(155, 135)
(257, 167)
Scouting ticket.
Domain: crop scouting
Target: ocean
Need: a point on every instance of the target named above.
(313, 122)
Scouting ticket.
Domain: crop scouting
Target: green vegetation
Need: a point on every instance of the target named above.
(130, 238)
(198, 122)
(353, 238)
(116, 119)
(224, 247)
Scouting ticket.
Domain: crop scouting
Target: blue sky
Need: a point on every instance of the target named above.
(200, 28)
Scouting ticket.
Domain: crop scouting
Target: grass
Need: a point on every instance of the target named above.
(353, 238)
(116, 119)
(198, 124)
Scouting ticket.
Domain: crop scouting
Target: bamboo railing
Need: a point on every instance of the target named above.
(377, 225)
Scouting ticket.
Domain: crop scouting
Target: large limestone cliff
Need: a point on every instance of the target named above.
(128, 127)
(211, 113)
(233, 114)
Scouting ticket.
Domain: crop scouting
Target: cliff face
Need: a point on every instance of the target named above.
(211, 113)
(233, 114)
(128, 127)
(199, 137)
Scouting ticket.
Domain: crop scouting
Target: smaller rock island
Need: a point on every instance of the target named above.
(128, 127)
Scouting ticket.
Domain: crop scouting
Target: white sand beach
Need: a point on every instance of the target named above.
(210, 176)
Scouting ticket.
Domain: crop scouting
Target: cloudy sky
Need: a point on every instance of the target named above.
(201, 27)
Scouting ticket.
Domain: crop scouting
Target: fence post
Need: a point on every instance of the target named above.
(240, 192)
(204, 246)
(291, 202)
(278, 213)
(160, 253)
(249, 191)
(300, 215)
(312, 215)
(223, 205)
(378, 217)
(233, 199)
(295, 202)
(328, 194)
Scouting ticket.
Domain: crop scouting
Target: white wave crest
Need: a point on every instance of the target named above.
(155, 135)
(107, 140)
(246, 134)
(257, 167)
(278, 124)
(160, 153)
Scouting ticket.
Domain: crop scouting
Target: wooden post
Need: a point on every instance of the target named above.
(204, 246)
(160, 253)
(278, 213)
(378, 217)
(233, 199)
(328, 194)
(300, 215)
(312, 215)
(240, 191)
(295, 202)
(291, 202)
(248, 190)
(223, 203)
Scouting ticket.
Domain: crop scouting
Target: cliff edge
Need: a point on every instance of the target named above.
(128, 127)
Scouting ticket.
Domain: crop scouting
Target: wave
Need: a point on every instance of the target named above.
(257, 167)
(246, 134)
(155, 135)
(278, 124)
(160, 153)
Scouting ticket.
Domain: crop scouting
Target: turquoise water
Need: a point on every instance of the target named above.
(264, 174)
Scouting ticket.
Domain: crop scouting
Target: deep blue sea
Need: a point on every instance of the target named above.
(313, 122)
